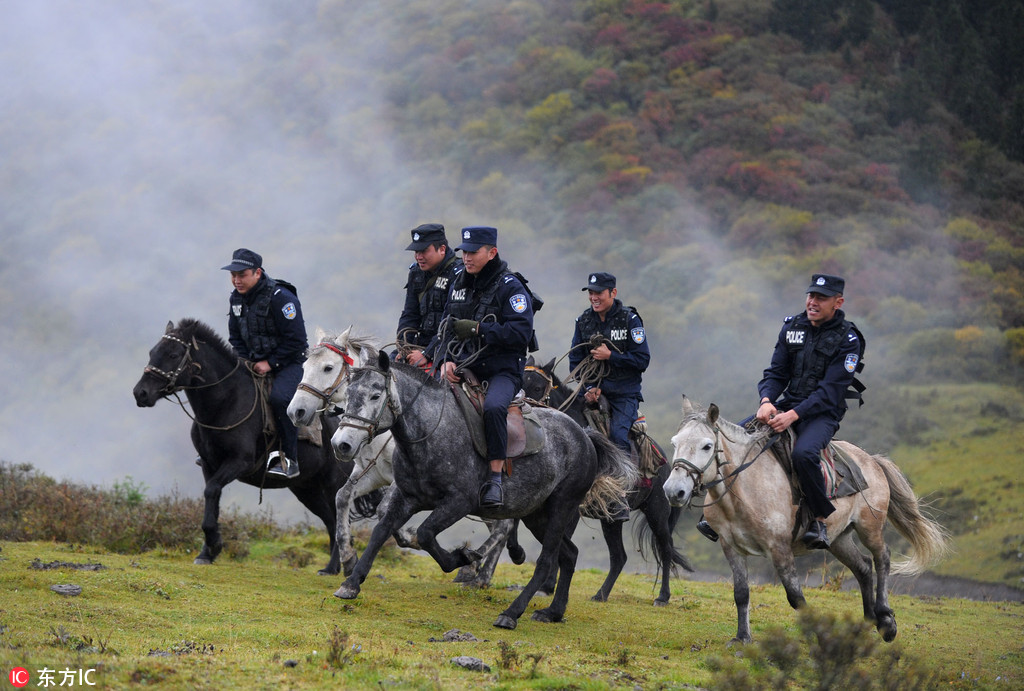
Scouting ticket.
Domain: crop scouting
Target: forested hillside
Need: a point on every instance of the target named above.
(711, 153)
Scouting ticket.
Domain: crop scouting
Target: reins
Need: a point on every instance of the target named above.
(716, 458)
(329, 392)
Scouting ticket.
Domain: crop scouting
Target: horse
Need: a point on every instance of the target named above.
(751, 505)
(543, 385)
(228, 433)
(323, 381)
(437, 469)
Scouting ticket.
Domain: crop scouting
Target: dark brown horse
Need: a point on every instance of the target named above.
(228, 429)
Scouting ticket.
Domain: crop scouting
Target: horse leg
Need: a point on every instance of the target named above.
(479, 575)
(567, 555)
(844, 549)
(874, 540)
(549, 529)
(357, 485)
(785, 567)
(399, 511)
(661, 519)
(740, 593)
(439, 520)
(617, 555)
(212, 543)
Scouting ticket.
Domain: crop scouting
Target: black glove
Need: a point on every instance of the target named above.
(465, 328)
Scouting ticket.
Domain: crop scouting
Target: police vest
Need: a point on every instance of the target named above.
(809, 364)
(618, 330)
(432, 294)
(256, 324)
(485, 302)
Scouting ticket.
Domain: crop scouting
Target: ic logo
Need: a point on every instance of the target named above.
(19, 677)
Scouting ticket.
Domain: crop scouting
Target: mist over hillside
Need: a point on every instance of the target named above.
(143, 144)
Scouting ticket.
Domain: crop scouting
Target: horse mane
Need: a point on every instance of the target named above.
(190, 328)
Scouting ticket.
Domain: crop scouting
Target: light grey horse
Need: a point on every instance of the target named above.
(324, 378)
(750, 504)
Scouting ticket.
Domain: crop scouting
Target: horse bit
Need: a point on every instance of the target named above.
(327, 393)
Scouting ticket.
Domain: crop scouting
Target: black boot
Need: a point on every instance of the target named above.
(817, 536)
(705, 529)
(491, 495)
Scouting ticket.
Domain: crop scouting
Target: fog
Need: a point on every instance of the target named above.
(130, 176)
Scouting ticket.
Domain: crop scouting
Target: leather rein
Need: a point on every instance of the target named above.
(718, 458)
(329, 392)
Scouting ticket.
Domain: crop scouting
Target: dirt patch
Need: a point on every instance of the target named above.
(48, 566)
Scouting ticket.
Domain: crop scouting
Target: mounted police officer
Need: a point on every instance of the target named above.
(489, 328)
(622, 343)
(816, 356)
(426, 290)
(265, 327)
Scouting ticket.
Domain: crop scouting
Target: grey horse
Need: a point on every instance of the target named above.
(437, 469)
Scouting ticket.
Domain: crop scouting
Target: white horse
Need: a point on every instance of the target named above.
(751, 504)
(324, 379)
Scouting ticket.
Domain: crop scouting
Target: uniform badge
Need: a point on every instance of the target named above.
(236, 310)
(416, 237)
(637, 334)
(518, 302)
(289, 311)
(851, 362)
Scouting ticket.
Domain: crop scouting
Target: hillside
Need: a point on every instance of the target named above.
(709, 153)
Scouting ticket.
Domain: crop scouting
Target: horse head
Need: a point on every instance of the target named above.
(170, 366)
(539, 381)
(370, 405)
(696, 454)
(324, 372)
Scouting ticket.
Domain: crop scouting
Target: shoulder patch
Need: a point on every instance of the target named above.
(518, 302)
(851, 362)
(638, 334)
(289, 311)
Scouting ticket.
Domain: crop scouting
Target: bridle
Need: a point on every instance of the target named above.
(547, 378)
(719, 458)
(172, 377)
(329, 392)
(373, 427)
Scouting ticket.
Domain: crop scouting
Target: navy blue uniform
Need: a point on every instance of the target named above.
(812, 368)
(266, 323)
(500, 302)
(630, 356)
(426, 294)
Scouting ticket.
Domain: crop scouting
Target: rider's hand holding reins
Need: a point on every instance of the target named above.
(592, 395)
(601, 352)
(465, 328)
(448, 372)
(261, 367)
(770, 415)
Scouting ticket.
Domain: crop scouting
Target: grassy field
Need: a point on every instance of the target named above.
(267, 621)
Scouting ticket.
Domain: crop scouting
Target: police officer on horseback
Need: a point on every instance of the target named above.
(265, 327)
(805, 387)
(613, 333)
(426, 290)
(488, 327)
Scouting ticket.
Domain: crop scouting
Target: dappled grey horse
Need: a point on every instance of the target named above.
(324, 378)
(437, 469)
(750, 503)
(228, 428)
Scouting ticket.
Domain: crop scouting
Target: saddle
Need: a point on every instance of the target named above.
(642, 450)
(525, 434)
(843, 477)
(311, 433)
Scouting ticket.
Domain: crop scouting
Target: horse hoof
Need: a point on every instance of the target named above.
(346, 592)
(661, 603)
(517, 554)
(887, 628)
(738, 641)
(505, 622)
(202, 561)
(599, 597)
(466, 574)
(328, 571)
(349, 565)
(546, 616)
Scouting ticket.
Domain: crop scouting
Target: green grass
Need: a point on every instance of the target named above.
(157, 620)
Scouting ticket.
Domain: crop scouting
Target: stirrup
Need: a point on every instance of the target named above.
(705, 529)
(279, 464)
(485, 492)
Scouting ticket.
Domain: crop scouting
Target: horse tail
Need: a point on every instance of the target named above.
(615, 476)
(929, 540)
(645, 540)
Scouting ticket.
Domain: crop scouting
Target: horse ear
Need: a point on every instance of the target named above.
(713, 414)
(687, 406)
(319, 334)
(550, 366)
(170, 327)
(530, 362)
(383, 361)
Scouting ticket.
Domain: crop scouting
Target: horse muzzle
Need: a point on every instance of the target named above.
(679, 487)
